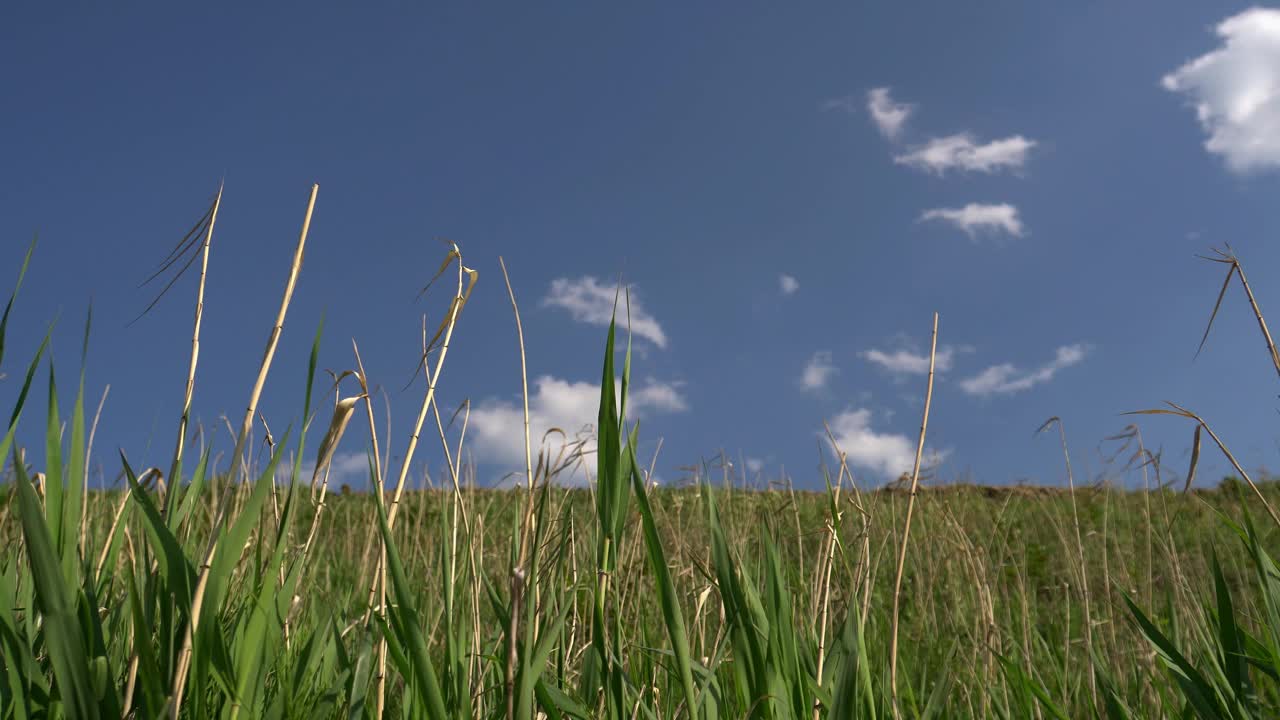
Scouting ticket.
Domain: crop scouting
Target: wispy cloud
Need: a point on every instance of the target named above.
(788, 284)
(496, 427)
(592, 302)
(1006, 378)
(905, 362)
(978, 218)
(346, 468)
(1235, 90)
(848, 103)
(818, 371)
(962, 152)
(889, 115)
(885, 454)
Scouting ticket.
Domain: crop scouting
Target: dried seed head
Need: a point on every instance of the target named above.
(342, 413)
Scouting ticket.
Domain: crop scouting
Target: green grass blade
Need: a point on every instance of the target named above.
(149, 674)
(63, 639)
(233, 542)
(175, 567)
(1112, 700)
(193, 493)
(1231, 654)
(672, 615)
(20, 669)
(22, 273)
(1029, 686)
(426, 682)
(537, 660)
(361, 675)
(553, 700)
(1196, 689)
(937, 702)
(54, 488)
(26, 383)
(75, 472)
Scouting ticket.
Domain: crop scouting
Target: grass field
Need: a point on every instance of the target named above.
(208, 590)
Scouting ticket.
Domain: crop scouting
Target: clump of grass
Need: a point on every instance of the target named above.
(203, 594)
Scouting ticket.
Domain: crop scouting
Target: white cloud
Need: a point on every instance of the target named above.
(889, 115)
(653, 395)
(754, 465)
(347, 467)
(1006, 378)
(976, 218)
(962, 152)
(588, 301)
(1236, 90)
(885, 454)
(818, 371)
(905, 362)
(788, 284)
(496, 427)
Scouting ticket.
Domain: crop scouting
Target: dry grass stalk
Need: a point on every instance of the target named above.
(906, 528)
(864, 568)
(111, 534)
(524, 391)
(195, 350)
(460, 519)
(380, 576)
(466, 282)
(184, 654)
(1084, 575)
(88, 453)
(342, 413)
(824, 570)
(1227, 257)
(1179, 411)
(273, 340)
(378, 464)
(518, 573)
(444, 334)
(517, 593)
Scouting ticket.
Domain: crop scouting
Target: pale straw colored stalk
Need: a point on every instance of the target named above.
(824, 573)
(518, 573)
(1084, 575)
(88, 453)
(906, 529)
(380, 575)
(184, 653)
(195, 352)
(446, 334)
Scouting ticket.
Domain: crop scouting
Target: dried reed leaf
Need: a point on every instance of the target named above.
(1048, 424)
(342, 413)
(1221, 294)
(1195, 458)
(186, 251)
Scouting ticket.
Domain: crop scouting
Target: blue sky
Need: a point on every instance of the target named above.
(791, 192)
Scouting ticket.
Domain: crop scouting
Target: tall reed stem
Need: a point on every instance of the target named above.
(197, 603)
(175, 466)
(906, 529)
